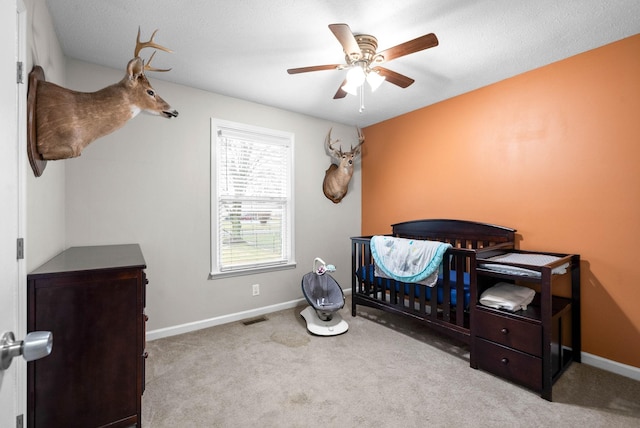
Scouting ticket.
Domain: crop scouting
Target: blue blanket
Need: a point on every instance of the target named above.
(408, 260)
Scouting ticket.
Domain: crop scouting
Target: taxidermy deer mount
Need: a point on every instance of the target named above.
(67, 121)
(337, 177)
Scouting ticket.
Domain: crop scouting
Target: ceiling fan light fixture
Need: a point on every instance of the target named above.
(362, 60)
(350, 88)
(355, 76)
(374, 80)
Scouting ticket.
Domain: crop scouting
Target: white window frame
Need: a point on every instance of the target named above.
(218, 128)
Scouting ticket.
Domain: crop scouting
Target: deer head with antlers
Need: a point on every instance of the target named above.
(337, 177)
(67, 121)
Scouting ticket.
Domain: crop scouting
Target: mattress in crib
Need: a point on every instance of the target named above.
(366, 273)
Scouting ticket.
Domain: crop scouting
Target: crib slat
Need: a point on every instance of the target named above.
(462, 262)
(446, 283)
(412, 295)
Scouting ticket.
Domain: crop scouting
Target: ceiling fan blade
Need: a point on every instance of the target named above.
(341, 92)
(314, 68)
(421, 43)
(347, 40)
(395, 78)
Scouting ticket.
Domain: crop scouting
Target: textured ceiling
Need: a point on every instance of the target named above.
(242, 48)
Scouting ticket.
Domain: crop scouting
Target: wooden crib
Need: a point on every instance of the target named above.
(445, 307)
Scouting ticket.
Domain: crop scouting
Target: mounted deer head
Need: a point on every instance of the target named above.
(67, 121)
(337, 177)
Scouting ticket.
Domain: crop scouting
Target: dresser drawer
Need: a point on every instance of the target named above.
(510, 364)
(520, 335)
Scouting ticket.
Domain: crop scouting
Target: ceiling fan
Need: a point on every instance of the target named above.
(364, 62)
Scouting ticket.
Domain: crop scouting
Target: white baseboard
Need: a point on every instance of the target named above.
(212, 322)
(611, 366)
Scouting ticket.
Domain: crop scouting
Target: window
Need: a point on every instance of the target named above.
(252, 202)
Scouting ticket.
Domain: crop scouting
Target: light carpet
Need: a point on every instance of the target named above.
(386, 371)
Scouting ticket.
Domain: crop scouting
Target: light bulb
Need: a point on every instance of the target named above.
(350, 88)
(355, 76)
(374, 80)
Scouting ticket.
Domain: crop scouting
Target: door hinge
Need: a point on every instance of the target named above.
(20, 421)
(19, 71)
(20, 249)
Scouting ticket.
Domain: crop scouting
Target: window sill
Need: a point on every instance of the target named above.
(228, 274)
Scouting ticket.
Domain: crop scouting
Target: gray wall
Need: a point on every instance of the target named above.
(45, 199)
(149, 183)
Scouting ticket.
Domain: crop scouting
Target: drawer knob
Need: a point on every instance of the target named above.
(504, 330)
(504, 360)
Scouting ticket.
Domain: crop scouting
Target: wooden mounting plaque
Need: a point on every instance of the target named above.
(35, 159)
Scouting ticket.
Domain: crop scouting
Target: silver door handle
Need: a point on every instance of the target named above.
(35, 345)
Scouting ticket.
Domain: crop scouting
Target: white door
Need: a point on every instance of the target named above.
(12, 391)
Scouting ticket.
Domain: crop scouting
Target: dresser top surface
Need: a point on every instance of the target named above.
(99, 257)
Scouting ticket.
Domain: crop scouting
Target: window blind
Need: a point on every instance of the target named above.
(253, 199)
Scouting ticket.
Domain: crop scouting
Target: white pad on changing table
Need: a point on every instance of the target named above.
(507, 296)
(527, 259)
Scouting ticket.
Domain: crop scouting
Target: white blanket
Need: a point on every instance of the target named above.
(507, 296)
(408, 260)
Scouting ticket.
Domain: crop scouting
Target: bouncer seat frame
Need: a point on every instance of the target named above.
(326, 298)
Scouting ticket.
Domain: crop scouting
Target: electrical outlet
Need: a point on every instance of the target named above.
(256, 289)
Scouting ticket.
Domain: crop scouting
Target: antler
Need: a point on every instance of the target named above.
(360, 139)
(330, 144)
(149, 44)
(338, 152)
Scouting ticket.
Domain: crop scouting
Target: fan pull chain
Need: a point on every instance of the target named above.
(361, 99)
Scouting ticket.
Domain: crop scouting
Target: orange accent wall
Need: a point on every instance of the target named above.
(553, 153)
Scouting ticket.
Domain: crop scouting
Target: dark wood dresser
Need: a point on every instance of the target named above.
(92, 299)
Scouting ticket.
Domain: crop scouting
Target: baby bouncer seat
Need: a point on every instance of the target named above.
(326, 298)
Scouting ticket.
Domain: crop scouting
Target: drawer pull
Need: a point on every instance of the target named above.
(504, 360)
(504, 330)
(145, 355)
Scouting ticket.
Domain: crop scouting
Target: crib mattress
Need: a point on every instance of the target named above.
(366, 273)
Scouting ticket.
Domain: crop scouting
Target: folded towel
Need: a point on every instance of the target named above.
(507, 296)
(408, 260)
